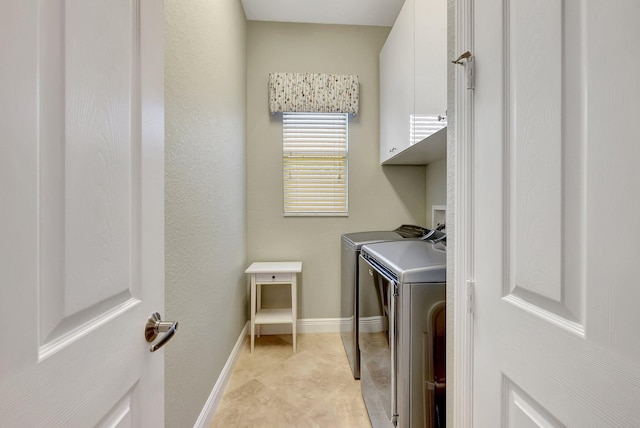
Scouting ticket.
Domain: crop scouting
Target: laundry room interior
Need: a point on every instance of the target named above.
(224, 172)
(337, 213)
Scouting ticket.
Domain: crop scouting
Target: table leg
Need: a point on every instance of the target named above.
(258, 304)
(253, 309)
(294, 311)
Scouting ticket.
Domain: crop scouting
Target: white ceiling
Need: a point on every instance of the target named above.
(349, 12)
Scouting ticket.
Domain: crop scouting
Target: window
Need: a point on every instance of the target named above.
(424, 125)
(314, 163)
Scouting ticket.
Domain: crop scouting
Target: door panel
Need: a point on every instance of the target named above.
(524, 412)
(555, 213)
(122, 414)
(533, 72)
(90, 132)
(543, 161)
(82, 166)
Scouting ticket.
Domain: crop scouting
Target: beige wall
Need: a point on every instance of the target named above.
(205, 105)
(379, 198)
(436, 183)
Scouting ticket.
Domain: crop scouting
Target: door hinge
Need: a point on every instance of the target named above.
(470, 297)
(467, 60)
(470, 68)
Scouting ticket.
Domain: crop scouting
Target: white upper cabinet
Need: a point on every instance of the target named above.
(397, 84)
(430, 57)
(413, 85)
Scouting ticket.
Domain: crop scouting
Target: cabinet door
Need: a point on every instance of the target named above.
(430, 66)
(397, 85)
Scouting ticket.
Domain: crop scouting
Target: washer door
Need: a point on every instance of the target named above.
(376, 367)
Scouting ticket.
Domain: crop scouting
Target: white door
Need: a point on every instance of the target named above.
(81, 212)
(556, 220)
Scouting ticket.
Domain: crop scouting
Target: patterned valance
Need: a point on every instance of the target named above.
(313, 93)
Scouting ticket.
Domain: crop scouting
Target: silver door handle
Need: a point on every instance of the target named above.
(155, 326)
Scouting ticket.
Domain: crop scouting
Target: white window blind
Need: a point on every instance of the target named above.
(424, 125)
(314, 163)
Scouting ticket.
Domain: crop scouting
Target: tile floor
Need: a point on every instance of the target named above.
(275, 387)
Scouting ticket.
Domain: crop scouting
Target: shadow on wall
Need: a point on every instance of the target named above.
(404, 177)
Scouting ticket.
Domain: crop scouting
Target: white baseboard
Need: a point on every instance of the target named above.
(373, 324)
(309, 325)
(210, 407)
(325, 325)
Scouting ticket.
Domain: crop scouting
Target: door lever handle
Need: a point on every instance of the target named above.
(155, 326)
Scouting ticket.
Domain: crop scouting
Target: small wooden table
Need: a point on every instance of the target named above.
(265, 273)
